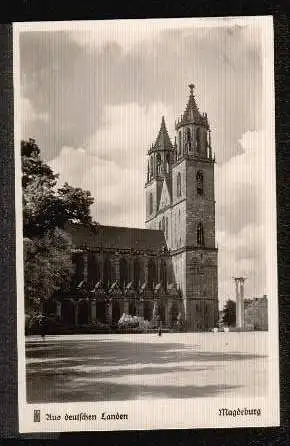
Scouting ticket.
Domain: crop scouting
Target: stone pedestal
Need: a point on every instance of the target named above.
(240, 302)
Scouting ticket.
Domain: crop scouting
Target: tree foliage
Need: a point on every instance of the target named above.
(44, 206)
(229, 317)
(46, 211)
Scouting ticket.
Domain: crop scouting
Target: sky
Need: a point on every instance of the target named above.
(92, 95)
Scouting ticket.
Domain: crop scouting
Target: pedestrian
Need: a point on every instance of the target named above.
(42, 327)
(159, 327)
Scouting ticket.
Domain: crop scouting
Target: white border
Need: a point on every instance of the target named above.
(169, 413)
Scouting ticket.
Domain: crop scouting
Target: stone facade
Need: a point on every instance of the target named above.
(180, 201)
(168, 269)
(118, 270)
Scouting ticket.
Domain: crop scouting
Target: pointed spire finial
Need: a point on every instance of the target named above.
(191, 87)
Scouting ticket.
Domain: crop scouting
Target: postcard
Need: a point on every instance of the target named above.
(146, 224)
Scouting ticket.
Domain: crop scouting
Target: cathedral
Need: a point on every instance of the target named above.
(169, 269)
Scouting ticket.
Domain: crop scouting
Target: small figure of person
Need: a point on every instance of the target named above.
(42, 327)
(159, 326)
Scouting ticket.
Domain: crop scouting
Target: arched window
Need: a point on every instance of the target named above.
(78, 262)
(93, 270)
(107, 273)
(163, 274)
(158, 163)
(199, 183)
(123, 272)
(179, 142)
(160, 225)
(200, 234)
(166, 227)
(188, 138)
(178, 184)
(197, 136)
(151, 273)
(136, 273)
(150, 203)
(163, 224)
(151, 167)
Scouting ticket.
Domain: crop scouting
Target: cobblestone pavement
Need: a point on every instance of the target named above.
(145, 366)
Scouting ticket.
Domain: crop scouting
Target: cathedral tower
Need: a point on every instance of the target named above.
(180, 200)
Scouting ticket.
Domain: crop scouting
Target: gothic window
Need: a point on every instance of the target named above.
(107, 273)
(163, 274)
(188, 138)
(168, 161)
(178, 184)
(197, 136)
(78, 262)
(93, 270)
(151, 167)
(199, 183)
(160, 225)
(123, 272)
(163, 224)
(150, 203)
(158, 162)
(179, 142)
(136, 273)
(166, 227)
(148, 171)
(200, 234)
(151, 273)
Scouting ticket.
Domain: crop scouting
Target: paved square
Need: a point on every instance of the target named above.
(144, 366)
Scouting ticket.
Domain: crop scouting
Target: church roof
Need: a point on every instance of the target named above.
(191, 113)
(115, 237)
(163, 141)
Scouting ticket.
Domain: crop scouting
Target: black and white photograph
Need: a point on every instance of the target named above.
(146, 224)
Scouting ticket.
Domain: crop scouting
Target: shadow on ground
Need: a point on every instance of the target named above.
(67, 371)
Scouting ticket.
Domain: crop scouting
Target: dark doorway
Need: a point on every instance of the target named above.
(147, 312)
(83, 313)
(132, 309)
(116, 313)
(68, 315)
(100, 311)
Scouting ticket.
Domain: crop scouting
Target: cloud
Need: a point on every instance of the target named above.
(241, 196)
(73, 76)
(111, 165)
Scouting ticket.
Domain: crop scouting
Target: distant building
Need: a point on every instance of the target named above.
(256, 313)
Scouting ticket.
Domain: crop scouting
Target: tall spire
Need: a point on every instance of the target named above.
(191, 113)
(162, 141)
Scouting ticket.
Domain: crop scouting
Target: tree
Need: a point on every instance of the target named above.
(47, 267)
(46, 211)
(44, 206)
(229, 317)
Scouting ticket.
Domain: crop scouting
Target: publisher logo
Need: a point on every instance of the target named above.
(36, 416)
